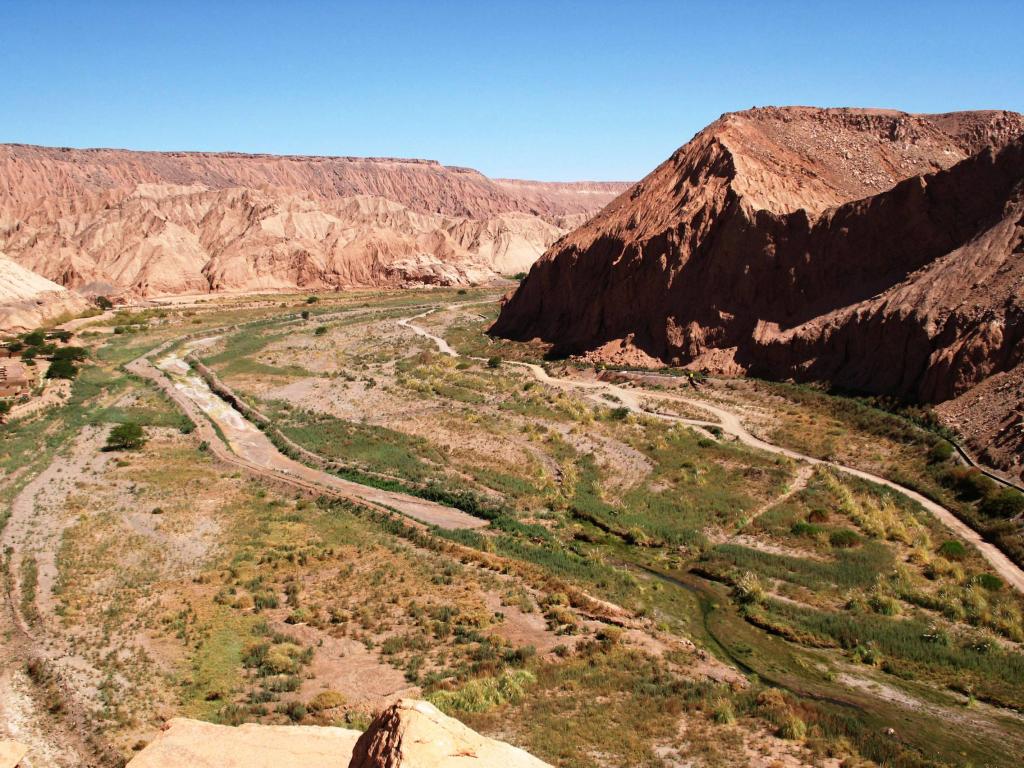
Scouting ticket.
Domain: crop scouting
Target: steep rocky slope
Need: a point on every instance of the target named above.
(157, 223)
(28, 300)
(876, 250)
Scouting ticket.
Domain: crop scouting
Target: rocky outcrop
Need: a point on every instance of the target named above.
(415, 734)
(11, 753)
(152, 223)
(876, 250)
(28, 300)
(188, 743)
(409, 734)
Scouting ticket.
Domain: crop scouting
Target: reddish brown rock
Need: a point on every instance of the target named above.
(876, 250)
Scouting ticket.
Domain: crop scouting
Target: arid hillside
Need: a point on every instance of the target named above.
(161, 223)
(28, 300)
(876, 250)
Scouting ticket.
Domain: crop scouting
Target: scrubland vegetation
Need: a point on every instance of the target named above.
(831, 619)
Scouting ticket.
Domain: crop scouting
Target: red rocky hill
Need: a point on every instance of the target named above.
(877, 250)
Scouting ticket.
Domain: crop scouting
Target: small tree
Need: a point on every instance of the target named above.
(305, 314)
(35, 339)
(104, 303)
(126, 437)
(69, 353)
(61, 368)
(494, 362)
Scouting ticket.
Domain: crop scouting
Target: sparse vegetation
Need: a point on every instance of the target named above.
(836, 601)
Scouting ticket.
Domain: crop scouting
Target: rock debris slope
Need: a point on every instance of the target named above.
(876, 250)
(152, 223)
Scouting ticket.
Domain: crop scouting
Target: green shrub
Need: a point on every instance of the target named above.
(885, 605)
(722, 712)
(263, 600)
(494, 362)
(481, 694)
(989, 582)
(126, 437)
(801, 528)
(326, 700)
(320, 330)
(953, 550)
(793, 728)
(1004, 503)
(968, 484)
(748, 589)
(295, 710)
(844, 538)
(940, 452)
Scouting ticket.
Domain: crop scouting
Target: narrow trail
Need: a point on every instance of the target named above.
(730, 423)
(803, 476)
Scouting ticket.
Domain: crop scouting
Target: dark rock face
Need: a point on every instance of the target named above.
(800, 243)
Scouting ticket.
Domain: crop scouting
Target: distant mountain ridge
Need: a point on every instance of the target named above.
(877, 250)
(173, 222)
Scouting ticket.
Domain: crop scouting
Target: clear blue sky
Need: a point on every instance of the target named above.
(547, 90)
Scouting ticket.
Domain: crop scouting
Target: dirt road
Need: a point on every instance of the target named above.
(730, 423)
(249, 447)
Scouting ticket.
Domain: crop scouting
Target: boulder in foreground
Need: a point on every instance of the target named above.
(408, 734)
(195, 744)
(415, 734)
(11, 753)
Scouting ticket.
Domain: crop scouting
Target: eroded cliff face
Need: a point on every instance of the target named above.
(875, 250)
(161, 223)
(28, 300)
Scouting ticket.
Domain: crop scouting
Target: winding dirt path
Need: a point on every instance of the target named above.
(730, 423)
(246, 446)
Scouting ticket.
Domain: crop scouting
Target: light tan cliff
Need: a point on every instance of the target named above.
(28, 300)
(11, 753)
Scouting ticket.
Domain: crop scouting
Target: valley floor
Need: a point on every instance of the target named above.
(350, 498)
